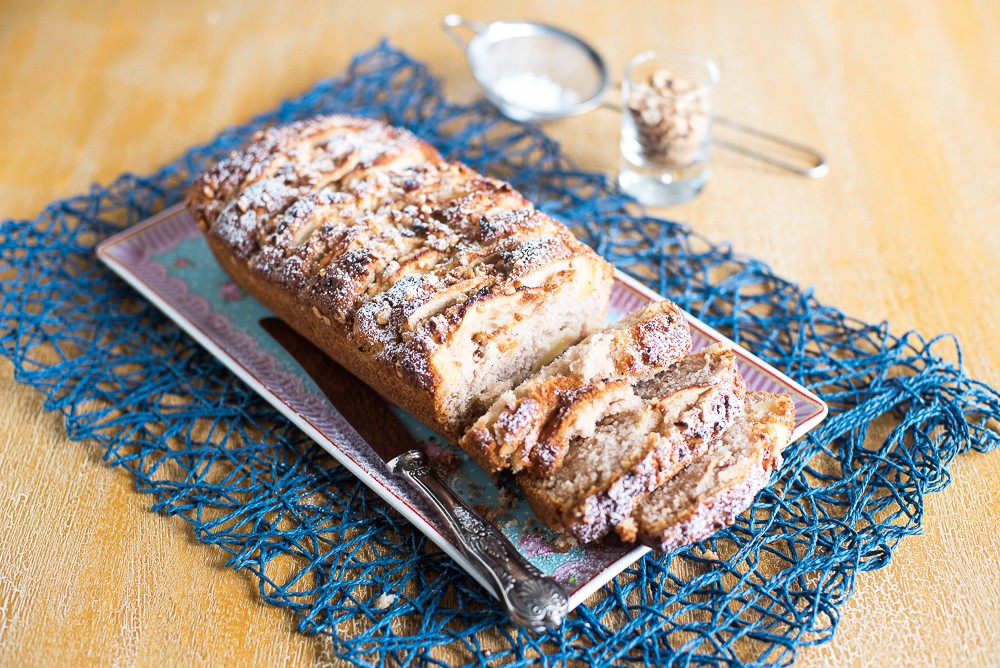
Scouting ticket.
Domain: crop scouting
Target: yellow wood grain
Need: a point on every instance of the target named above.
(902, 97)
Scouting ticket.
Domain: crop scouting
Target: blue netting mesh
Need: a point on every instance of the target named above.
(319, 543)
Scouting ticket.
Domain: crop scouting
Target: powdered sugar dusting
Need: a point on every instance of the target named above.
(242, 223)
(658, 340)
(532, 254)
(379, 328)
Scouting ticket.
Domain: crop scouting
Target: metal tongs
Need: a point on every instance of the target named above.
(505, 47)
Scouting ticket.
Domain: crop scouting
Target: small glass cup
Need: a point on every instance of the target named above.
(666, 126)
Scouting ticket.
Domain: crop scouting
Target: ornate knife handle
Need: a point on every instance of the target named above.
(532, 598)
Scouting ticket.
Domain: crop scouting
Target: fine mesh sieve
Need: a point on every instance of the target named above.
(509, 51)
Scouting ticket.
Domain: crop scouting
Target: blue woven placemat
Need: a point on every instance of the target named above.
(320, 544)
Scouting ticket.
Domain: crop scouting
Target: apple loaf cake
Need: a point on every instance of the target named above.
(455, 298)
(437, 286)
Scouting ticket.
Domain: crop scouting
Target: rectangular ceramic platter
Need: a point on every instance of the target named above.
(166, 259)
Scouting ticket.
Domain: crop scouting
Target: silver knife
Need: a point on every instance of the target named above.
(532, 599)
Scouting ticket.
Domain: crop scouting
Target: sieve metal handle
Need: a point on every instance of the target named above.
(452, 22)
(816, 168)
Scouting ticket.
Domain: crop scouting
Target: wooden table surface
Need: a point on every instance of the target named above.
(902, 96)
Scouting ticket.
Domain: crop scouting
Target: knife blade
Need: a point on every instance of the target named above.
(532, 599)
